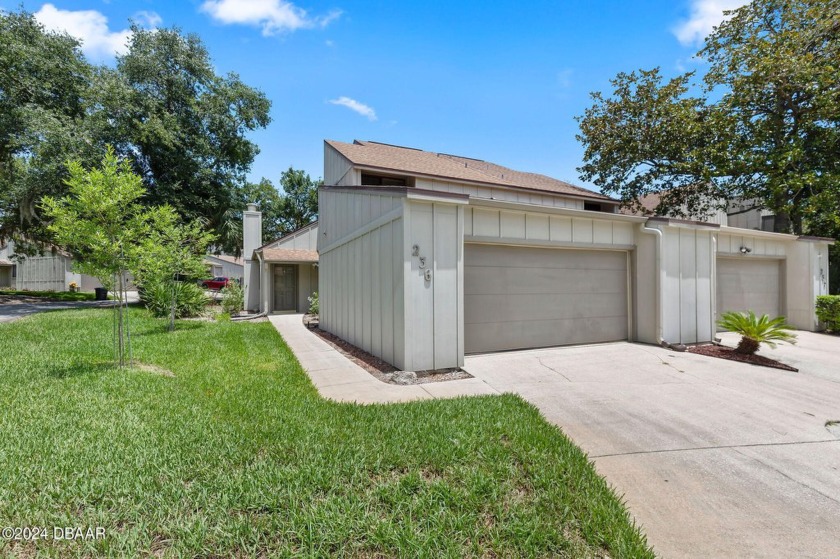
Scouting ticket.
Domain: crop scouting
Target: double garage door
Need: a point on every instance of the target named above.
(522, 297)
(749, 285)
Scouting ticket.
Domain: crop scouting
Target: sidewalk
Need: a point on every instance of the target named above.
(339, 379)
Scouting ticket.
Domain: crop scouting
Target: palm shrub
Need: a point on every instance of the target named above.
(755, 330)
(233, 299)
(157, 296)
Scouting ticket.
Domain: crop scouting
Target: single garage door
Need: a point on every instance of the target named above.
(520, 297)
(748, 285)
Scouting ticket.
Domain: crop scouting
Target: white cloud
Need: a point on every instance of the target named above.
(91, 28)
(147, 19)
(705, 16)
(355, 106)
(273, 16)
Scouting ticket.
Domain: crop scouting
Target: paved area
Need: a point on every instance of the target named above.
(715, 458)
(341, 380)
(13, 311)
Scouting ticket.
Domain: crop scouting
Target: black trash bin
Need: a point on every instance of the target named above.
(101, 294)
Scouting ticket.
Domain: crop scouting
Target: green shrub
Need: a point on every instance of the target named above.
(828, 311)
(233, 299)
(190, 299)
(314, 305)
(755, 331)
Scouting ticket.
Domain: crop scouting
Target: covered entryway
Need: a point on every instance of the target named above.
(285, 288)
(745, 284)
(522, 297)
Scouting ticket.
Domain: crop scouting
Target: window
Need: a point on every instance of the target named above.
(768, 222)
(379, 180)
(14, 270)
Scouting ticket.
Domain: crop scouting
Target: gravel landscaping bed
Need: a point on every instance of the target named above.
(379, 368)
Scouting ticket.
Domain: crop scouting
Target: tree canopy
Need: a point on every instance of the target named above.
(163, 107)
(762, 124)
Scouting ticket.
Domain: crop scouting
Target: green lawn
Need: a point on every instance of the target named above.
(55, 295)
(236, 455)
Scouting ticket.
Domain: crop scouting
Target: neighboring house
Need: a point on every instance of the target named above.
(225, 266)
(744, 214)
(50, 271)
(424, 257)
(283, 274)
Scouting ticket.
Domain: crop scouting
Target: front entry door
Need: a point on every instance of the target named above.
(285, 287)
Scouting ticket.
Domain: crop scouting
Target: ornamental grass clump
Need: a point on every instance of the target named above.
(755, 330)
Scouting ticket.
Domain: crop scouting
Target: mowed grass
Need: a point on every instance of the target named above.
(236, 455)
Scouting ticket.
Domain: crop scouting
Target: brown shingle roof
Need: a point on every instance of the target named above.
(289, 255)
(415, 161)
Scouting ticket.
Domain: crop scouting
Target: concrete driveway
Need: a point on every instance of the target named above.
(715, 458)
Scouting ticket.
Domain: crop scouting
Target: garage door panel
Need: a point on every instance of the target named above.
(748, 285)
(523, 307)
(494, 336)
(488, 255)
(523, 297)
(496, 280)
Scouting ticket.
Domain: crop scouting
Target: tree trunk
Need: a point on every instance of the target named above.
(747, 346)
(781, 223)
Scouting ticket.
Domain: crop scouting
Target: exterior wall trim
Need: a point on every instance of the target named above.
(758, 233)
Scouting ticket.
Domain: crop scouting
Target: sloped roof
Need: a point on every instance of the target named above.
(5, 262)
(289, 255)
(227, 258)
(454, 167)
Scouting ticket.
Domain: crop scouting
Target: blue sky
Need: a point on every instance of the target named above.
(500, 81)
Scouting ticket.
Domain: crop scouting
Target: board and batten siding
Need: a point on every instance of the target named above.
(501, 194)
(304, 239)
(46, 273)
(361, 256)
(497, 224)
(434, 305)
(338, 171)
(688, 257)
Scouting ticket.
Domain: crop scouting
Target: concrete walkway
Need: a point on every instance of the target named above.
(339, 379)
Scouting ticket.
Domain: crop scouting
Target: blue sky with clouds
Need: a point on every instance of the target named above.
(500, 81)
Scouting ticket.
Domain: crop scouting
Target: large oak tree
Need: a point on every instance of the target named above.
(163, 107)
(763, 123)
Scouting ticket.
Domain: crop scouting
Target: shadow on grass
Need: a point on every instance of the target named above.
(81, 368)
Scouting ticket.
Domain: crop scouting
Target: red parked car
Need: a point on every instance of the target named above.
(216, 284)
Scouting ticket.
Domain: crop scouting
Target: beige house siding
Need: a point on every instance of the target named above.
(361, 269)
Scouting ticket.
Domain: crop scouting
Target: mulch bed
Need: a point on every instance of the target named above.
(379, 368)
(723, 352)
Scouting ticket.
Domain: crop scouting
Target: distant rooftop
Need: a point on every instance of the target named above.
(377, 155)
